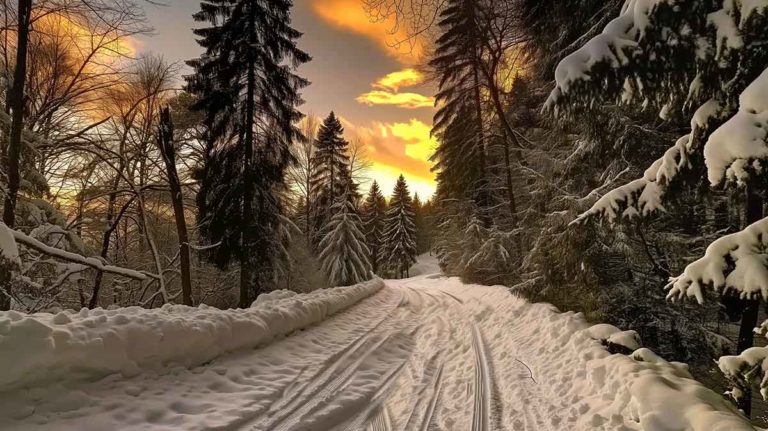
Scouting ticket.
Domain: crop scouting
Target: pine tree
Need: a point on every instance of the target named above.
(400, 231)
(331, 177)
(344, 254)
(373, 213)
(458, 123)
(245, 84)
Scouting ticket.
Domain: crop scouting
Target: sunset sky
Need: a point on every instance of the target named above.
(356, 72)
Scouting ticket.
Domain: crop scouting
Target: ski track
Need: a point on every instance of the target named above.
(419, 355)
(481, 412)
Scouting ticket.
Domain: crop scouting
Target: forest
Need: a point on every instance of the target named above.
(605, 157)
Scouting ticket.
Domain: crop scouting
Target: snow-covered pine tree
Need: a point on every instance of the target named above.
(707, 59)
(245, 82)
(343, 250)
(330, 177)
(373, 213)
(400, 231)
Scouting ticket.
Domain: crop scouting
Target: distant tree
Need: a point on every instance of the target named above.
(300, 175)
(343, 252)
(330, 177)
(246, 86)
(373, 213)
(400, 231)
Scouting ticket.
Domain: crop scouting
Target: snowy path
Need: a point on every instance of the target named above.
(426, 353)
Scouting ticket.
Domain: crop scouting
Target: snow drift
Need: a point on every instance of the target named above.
(589, 387)
(71, 345)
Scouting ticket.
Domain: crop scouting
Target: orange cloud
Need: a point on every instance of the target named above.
(396, 148)
(350, 15)
(99, 47)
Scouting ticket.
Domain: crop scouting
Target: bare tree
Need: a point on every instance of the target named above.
(165, 142)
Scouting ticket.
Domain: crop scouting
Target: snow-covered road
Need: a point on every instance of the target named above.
(425, 353)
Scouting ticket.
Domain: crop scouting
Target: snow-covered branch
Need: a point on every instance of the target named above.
(643, 196)
(734, 262)
(9, 246)
(740, 143)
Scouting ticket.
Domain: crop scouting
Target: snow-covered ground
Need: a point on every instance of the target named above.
(426, 353)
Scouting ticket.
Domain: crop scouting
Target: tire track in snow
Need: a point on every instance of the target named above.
(322, 391)
(438, 386)
(292, 399)
(481, 413)
(459, 300)
(381, 422)
(427, 397)
(377, 401)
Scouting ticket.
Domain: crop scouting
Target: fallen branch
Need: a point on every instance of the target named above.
(529, 370)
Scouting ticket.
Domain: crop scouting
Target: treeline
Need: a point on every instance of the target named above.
(628, 137)
(120, 189)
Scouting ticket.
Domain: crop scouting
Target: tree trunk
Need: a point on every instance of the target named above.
(246, 260)
(13, 153)
(16, 102)
(510, 187)
(751, 306)
(112, 224)
(482, 195)
(165, 142)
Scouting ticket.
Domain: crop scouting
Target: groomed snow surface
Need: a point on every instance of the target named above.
(425, 353)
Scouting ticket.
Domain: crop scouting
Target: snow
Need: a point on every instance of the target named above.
(733, 262)
(642, 196)
(8, 249)
(96, 343)
(427, 352)
(613, 46)
(727, 35)
(742, 139)
(426, 264)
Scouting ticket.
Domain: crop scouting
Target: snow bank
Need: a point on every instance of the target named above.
(569, 362)
(70, 345)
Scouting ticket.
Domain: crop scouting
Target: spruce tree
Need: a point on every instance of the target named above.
(247, 89)
(400, 231)
(373, 213)
(331, 177)
(343, 251)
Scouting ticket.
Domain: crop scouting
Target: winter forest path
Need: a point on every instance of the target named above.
(422, 354)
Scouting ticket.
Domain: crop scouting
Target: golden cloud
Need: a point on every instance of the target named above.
(350, 15)
(396, 148)
(386, 91)
(402, 78)
(402, 100)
